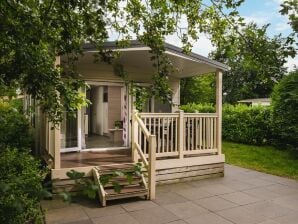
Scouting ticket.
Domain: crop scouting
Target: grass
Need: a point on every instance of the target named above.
(266, 159)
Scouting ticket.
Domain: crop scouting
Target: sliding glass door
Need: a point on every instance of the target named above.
(69, 133)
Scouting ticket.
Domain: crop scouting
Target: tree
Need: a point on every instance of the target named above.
(256, 61)
(290, 8)
(285, 110)
(199, 89)
(34, 32)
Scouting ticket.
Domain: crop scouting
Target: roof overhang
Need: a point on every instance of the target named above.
(137, 57)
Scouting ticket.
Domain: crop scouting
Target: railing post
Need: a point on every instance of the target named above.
(134, 136)
(57, 147)
(152, 169)
(56, 135)
(219, 108)
(181, 138)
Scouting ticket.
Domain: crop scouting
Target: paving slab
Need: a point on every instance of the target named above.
(138, 205)
(96, 212)
(290, 201)
(215, 203)
(241, 216)
(185, 209)
(269, 209)
(287, 219)
(66, 215)
(208, 218)
(169, 198)
(115, 219)
(154, 216)
(262, 193)
(218, 189)
(194, 193)
(240, 198)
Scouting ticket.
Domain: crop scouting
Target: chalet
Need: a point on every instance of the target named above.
(111, 135)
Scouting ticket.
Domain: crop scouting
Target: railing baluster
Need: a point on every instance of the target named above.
(168, 132)
(204, 133)
(211, 133)
(159, 137)
(176, 134)
(192, 134)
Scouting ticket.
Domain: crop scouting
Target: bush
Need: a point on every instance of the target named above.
(241, 123)
(199, 108)
(14, 127)
(285, 110)
(20, 188)
(246, 124)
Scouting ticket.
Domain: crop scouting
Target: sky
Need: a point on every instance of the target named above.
(260, 12)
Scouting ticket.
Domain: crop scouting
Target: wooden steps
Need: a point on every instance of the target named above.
(112, 186)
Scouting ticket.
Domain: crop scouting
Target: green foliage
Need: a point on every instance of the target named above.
(141, 95)
(20, 188)
(198, 108)
(246, 124)
(14, 127)
(285, 110)
(241, 123)
(199, 89)
(290, 8)
(34, 32)
(87, 186)
(256, 62)
(110, 178)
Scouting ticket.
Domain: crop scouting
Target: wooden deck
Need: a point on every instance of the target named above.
(94, 158)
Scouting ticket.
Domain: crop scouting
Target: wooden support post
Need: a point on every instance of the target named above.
(219, 109)
(134, 136)
(56, 141)
(181, 133)
(152, 171)
(57, 147)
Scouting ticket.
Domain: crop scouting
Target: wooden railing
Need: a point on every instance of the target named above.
(144, 148)
(180, 134)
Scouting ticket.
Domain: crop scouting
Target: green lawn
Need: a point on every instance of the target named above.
(263, 158)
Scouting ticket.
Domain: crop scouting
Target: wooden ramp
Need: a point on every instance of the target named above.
(118, 181)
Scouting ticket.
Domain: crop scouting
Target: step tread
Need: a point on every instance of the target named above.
(128, 190)
(124, 182)
(107, 169)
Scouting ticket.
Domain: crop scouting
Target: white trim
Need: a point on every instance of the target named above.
(191, 161)
(120, 84)
(71, 149)
(104, 149)
(104, 83)
(184, 57)
(124, 49)
(79, 120)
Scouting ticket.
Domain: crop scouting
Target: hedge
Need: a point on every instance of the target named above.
(285, 110)
(246, 124)
(198, 108)
(241, 123)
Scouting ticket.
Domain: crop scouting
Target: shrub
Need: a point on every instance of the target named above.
(246, 124)
(285, 110)
(241, 123)
(199, 108)
(20, 188)
(14, 127)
